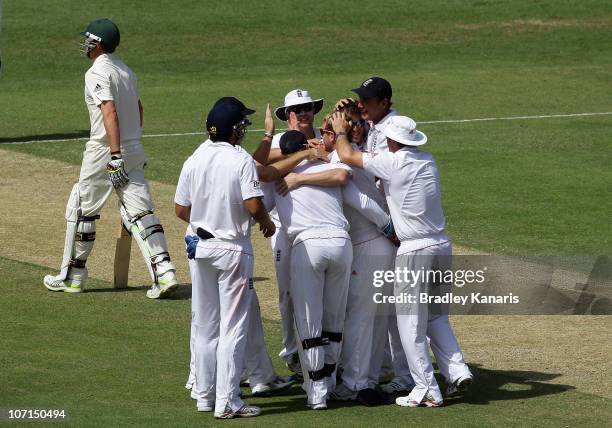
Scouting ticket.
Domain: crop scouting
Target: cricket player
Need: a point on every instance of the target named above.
(320, 265)
(298, 111)
(113, 158)
(412, 188)
(219, 194)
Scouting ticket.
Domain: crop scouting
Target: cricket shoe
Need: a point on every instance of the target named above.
(243, 412)
(397, 386)
(318, 406)
(277, 385)
(342, 393)
(205, 406)
(166, 285)
(293, 364)
(427, 401)
(459, 387)
(68, 285)
(370, 397)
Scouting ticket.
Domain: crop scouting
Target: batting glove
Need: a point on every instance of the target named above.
(116, 172)
(191, 243)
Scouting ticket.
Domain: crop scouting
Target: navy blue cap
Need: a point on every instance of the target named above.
(292, 141)
(374, 87)
(227, 112)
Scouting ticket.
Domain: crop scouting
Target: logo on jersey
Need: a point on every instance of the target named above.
(98, 88)
(250, 283)
(278, 255)
(255, 185)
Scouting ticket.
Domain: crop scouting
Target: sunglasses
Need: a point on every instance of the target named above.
(326, 131)
(300, 108)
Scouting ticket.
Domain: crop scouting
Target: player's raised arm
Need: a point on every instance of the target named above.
(343, 145)
(262, 152)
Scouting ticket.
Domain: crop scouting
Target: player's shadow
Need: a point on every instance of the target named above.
(489, 386)
(84, 133)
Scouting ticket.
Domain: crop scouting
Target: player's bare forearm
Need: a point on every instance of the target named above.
(343, 145)
(111, 124)
(258, 211)
(275, 155)
(275, 171)
(263, 151)
(182, 212)
(329, 178)
(141, 111)
(347, 154)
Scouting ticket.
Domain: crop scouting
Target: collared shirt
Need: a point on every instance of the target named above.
(215, 181)
(376, 141)
(412, 187)
(109, 79)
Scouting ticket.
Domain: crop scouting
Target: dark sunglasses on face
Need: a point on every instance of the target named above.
(326, 131)
(301, 108)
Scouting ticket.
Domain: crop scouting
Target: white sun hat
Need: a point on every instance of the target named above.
(297, 97)
(403, 130)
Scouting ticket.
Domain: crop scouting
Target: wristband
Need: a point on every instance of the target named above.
(269, 135)
(341, 133)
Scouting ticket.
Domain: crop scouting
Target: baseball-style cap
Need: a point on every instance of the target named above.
(403, 130)
(297, 97)
(374, 87)
(292, 141)
(227, 112)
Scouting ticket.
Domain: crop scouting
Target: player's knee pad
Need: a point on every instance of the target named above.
(80, 236)
(313, 342)
(148, 232)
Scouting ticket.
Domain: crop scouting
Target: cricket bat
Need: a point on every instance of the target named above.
(123, 249)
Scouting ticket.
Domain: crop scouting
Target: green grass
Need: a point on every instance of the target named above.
(525, 187)
(116, 358)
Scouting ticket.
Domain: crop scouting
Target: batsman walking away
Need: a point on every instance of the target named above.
(113, 159)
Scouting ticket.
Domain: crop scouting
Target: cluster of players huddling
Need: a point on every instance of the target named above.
(341, 200)
(353, 197)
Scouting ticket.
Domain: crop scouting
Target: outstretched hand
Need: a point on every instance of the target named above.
(269, 121)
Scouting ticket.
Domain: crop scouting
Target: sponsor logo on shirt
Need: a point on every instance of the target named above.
(255, 185)
(251, 283)
(278, 255)
(98, 88)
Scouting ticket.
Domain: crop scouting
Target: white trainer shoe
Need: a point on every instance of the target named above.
(244, 412)
(166, 285)
(459, 387)
(277, 385)
(205, 406)
(427, 401)
(68, 285)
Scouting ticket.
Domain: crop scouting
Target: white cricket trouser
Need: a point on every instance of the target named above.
(281, 251)
(222, 278)
(416, 322)
(320, 271)
(257, 364)
(358, 344)
(95, 187)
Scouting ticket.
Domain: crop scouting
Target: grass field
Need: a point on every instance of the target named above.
(520, 187)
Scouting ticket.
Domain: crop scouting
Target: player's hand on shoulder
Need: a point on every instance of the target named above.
(288, 183)
(116, 172)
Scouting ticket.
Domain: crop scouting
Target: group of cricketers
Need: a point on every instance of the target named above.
(340, 202)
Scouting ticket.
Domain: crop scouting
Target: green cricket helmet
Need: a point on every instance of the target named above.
(101, 30)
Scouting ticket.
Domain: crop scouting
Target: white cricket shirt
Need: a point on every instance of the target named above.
(215, 181)
(109, 79)
(362, 229)
(412, 187)
(312, 211)
(376, 141)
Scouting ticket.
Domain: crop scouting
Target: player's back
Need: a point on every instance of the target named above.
(312, 209)
(216, 190)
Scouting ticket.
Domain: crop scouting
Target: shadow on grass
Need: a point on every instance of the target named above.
(489, 386)
(59, 136)
(504, 385)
